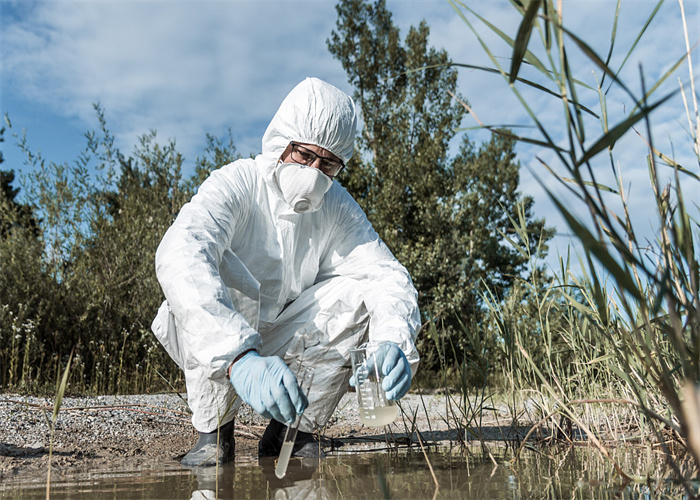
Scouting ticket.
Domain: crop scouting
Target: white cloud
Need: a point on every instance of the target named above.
(186, 68)
(183, 68)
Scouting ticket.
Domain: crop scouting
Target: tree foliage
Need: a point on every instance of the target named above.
(444, 216)
(82, 278)
(13, 215)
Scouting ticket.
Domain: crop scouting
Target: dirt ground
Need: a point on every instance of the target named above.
(93, 432)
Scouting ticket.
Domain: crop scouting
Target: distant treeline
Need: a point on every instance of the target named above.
(77, 239)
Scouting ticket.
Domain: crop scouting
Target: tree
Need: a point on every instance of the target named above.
(23, 283)
(83, 280)
(12, 213)
(443, 217)
(115, 270)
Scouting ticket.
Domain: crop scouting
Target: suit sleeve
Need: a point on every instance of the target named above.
(355, 250)
(188, 260)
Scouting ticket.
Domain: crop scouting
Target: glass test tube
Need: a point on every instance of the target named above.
(291, 434)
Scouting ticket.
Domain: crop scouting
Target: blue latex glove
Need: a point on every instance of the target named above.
(269, 386)
(394, 366)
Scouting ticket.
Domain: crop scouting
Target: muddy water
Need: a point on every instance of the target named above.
(566, 473)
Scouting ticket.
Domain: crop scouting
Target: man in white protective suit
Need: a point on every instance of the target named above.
(273, 265)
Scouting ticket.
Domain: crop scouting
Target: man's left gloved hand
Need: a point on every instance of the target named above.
(395, 369)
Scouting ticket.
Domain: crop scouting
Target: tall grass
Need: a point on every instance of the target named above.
(96, 367)
(60, 391)
(630, 320)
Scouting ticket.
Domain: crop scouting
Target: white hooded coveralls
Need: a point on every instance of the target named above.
(241, 270)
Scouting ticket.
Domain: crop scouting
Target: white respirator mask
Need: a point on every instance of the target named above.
(302, 187)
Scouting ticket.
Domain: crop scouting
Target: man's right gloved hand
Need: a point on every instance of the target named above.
(269, 386)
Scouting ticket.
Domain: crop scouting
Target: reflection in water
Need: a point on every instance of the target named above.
(565, 473)
(234, 480)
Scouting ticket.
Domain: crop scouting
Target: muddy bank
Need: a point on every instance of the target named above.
(91, 432)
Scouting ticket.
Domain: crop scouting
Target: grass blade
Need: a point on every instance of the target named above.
(669, 161)
(598, 249)
(636, 41)
(532, 84)
(61, 389)
(528, 56)
(522, 39)
(595, 185)
(610, 138)
(595, 59)
(613, 36)
(508, 133)
(56, 408)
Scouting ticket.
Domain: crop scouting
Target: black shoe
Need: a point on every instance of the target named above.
(206, 453)
(305, 445)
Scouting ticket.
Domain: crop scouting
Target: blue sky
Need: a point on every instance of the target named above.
(187, 68)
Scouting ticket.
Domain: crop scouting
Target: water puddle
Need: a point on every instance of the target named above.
(565, 473)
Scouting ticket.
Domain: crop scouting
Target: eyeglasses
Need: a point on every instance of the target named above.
(305, 156)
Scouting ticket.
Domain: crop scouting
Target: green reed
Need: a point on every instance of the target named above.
(629, 323)
(58, 401)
